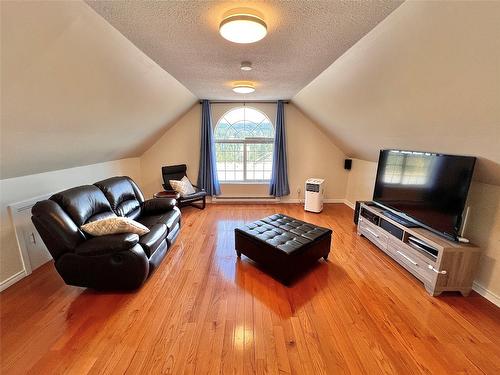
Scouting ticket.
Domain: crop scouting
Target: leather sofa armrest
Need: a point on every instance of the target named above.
(107, 244)
(158, 205)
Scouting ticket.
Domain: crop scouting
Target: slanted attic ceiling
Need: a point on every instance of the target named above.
(426, 78)
(75, 91)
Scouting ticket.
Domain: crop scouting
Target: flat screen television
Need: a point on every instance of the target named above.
(427, 188)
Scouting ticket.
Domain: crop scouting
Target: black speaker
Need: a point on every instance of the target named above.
(348, 164)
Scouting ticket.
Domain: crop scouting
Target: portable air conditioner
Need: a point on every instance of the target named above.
(314, 192)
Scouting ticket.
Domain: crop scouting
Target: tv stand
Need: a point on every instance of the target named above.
(440, 264)
(400, 220)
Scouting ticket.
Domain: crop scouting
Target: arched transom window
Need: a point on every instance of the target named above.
(244, 146)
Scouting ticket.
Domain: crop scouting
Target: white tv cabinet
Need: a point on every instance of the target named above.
(451, 269)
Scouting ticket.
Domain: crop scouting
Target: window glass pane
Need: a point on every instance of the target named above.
(237, 136)
(243, 122)
(259, 161)
(229, 159)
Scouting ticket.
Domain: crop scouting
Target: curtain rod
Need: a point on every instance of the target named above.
(244, 101)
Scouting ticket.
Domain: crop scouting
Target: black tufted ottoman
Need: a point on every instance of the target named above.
(283, 245)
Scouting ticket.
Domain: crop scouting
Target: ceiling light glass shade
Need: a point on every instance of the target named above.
(243, 88)
(243, 28)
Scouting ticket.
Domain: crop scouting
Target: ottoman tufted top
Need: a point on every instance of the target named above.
(284, 232)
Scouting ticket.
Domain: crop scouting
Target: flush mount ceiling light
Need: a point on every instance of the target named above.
(243, 87)
(243, 25)
(246, 66)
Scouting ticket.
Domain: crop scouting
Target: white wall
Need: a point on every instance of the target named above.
(360, 181)
(18, 189)
(310, 153)
(482, 228)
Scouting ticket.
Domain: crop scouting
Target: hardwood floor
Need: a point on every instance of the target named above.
(204, 311)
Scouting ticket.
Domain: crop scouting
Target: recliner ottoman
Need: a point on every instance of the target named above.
(282, 244)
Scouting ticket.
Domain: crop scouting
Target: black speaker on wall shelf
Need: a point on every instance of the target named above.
(348, 164)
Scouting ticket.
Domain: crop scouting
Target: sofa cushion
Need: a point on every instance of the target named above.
(123, 196)
(83, 204)
(152, 240)
(107, 244)
(170, 219)
(150, 220)
(127, 207)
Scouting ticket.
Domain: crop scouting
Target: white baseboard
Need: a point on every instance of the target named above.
(267, 200)
(248, 200)
(333, 200)
(349, 203)
(12, 280)
(294, 200)
(489, 295)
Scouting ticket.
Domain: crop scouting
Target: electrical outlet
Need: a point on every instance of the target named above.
(298, 190)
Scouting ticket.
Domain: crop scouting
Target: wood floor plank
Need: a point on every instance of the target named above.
(204, 311)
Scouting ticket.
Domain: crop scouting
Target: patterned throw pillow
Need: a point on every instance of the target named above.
(188, 186)
(183, 187)
(114, 225)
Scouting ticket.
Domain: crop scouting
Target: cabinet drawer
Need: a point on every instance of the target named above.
(412, 263)
(414, 252)
(373, 233)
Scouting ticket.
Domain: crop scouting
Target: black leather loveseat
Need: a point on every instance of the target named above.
(119, 261)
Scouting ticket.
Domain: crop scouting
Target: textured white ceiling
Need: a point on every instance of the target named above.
(426, 78)
(304, 38)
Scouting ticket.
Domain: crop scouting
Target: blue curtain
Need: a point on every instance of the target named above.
(207, 175)
(278, 186)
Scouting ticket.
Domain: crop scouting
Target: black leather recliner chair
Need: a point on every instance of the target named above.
(177, 172)
(120, 261)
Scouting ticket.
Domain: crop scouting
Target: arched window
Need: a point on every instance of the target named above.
(244, 146)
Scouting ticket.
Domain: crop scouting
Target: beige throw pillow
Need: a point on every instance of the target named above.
(183, 187)
(188, 186)
(114, 225)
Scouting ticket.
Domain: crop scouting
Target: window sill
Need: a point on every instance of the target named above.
(244, 182)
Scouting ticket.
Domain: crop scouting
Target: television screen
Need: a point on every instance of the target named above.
(429, 188)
